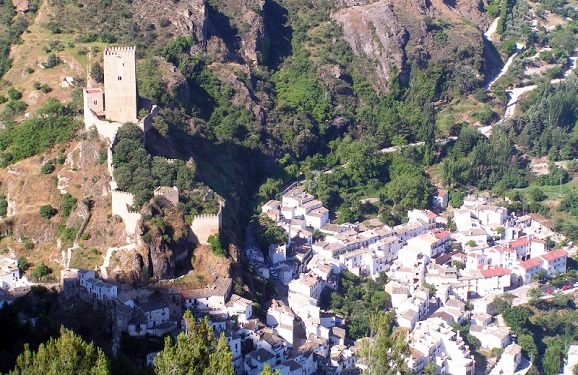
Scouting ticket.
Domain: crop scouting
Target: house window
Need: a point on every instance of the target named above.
(95, 102)
(119, 78)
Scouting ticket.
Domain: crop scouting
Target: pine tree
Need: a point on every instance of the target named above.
(386, 350)
(66, 355)
(196, 351)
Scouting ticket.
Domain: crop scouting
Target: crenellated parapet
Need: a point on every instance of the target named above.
(204, 226)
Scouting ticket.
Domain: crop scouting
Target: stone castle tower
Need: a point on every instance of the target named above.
(120, 84)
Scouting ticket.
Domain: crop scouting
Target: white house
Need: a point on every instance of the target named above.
(101, 290)
(433, 243)
(282, 317)
(9, 272)
(308, 284)
(84, 275)
(241, 307)
(436, 339)
(492, 337)
(440, 199)
(509, 360)
(207, 299)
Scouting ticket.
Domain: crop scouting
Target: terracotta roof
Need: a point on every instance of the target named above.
(442, 234)
(519, 242)
(495, 271)
(554, 254)
(441, 192)
(531, 263)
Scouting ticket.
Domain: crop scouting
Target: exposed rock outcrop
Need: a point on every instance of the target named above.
(185, 17)
(398, 33)
(373, 30)
(161, 239)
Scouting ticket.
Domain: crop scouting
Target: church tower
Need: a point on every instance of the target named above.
(120, 84)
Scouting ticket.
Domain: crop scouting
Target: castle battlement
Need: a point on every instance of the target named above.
(125, 193)
(122, 49)
(206, 217)
(204, 226)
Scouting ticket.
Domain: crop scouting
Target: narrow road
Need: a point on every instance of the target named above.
(492, 29)
(441, 141)
(503, 71)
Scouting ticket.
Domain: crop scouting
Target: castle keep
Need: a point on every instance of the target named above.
(118, 104)
(120, 84)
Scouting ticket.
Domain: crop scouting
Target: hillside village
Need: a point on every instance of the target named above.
(443, 270)
(499, 252)
(495, 250)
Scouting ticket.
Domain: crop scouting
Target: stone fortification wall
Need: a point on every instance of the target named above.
(121, 203)
(106, 129)
(120, 84)
(204, 226)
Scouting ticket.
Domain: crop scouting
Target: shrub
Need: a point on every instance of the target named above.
(48, 167)
(547, 56)
(29, 70)
(13, 108)
(217, 245)
(23, 264)
(47, 211)
(40, 271)
(3, 206)
(14, 94)
(36, 85)
(52, 61)
(164, 22)
(509, 47)
(68, 205)
(97, 73)
(45, 88)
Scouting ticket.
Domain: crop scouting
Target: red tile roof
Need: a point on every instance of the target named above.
(442, 234)
(554, 254)
(441, 192)
(531, 263)
(519, 242)
(495, 271)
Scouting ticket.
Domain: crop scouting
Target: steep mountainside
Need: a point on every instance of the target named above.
(398, 33)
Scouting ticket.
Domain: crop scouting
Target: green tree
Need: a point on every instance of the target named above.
(430, 369)
(410, 191)
(385, 351)
(68, 354)
(47, 211)
(40, 271)
(3, 206)
(216, 243)
(68, 205)
(97, 73)
(268, 233)
(552, 359)
(267, 370)
(195, 352)
(23, 264)
(516, 317)
(528, 346)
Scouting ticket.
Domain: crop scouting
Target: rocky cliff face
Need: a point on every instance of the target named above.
(161, 240)
(396, 33)
(373, 30)
(185, 17)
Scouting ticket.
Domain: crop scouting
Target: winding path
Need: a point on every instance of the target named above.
(492, 29)
(514, 94)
